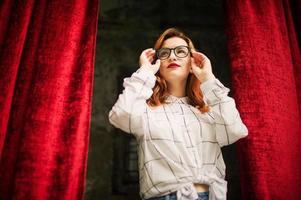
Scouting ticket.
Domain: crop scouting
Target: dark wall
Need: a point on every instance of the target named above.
(125, 29)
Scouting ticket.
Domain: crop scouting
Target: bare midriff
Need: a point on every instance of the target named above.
(201, 187)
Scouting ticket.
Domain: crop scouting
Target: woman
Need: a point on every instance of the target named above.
(181, 116)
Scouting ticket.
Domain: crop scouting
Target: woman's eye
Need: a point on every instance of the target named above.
(164, 53)
(181, 51)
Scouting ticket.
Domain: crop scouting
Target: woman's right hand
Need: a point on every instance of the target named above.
(146, 59)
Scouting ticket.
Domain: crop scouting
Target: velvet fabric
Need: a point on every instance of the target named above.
(266, 80)
(47, 51)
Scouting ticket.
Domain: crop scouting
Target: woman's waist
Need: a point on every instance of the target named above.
(200, 187)
(201, 190)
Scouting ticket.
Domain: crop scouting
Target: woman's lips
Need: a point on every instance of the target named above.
(173, 65)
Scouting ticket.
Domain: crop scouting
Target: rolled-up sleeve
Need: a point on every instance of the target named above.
(126, 113)
(228, 123)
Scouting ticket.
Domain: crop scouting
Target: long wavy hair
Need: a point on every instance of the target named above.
(193, 90)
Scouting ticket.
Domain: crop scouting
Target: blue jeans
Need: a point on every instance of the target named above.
(173, 196)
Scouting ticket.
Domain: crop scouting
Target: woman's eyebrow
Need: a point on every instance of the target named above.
(172, 47)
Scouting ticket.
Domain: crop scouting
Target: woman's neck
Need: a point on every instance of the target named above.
(177, 88)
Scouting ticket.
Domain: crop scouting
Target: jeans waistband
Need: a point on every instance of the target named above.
(174, 194)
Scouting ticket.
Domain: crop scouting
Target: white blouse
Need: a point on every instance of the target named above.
(177, 144)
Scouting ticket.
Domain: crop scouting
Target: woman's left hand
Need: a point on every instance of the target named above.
(201, 66)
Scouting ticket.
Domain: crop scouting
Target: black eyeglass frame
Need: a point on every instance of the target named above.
(172, 49)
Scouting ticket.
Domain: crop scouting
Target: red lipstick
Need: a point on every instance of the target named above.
(173, 65)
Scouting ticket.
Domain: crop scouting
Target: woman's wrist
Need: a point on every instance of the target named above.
(148, 68)
(208, 78)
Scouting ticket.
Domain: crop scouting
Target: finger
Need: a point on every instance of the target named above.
(197, 55)
(153, 52)
(149, 51)
(199, 59)
(194, 52)
(146, 52)
(195, 61)
(203, 56)
(150, 57)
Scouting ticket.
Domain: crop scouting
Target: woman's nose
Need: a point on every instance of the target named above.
(172, 56)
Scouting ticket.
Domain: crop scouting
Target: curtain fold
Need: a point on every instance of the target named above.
(266, 77)
(47, 51)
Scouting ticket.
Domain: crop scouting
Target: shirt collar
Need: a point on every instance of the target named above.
(173, 99)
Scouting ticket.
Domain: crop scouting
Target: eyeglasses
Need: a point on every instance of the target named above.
(179, 51)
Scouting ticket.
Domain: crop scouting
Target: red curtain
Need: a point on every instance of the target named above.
(47, 51)
(266, 79)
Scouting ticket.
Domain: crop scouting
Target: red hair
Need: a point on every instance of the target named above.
(192, 86)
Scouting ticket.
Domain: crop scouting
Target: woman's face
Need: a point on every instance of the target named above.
(174, 68)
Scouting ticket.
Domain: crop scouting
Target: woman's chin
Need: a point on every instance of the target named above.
(175, 77)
